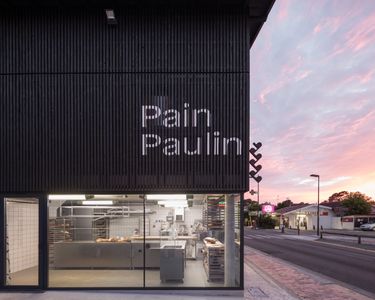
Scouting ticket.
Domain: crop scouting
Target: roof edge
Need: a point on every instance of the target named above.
(262, 19)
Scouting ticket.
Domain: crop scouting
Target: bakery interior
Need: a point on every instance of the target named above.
(126, 241)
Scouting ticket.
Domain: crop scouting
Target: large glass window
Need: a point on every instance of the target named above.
(89, 241)
(186, 241)
(113, 240)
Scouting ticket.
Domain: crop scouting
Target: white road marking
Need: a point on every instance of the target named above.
(258, 236)
(345, 246)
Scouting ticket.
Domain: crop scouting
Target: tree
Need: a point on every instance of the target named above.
(338, 197)
(252, 212)
(267, 222)
(357, 204)
(285, 203)
(253, 206)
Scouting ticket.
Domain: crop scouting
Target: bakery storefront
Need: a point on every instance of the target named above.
(124, 143)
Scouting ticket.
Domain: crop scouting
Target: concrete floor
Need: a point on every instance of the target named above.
(195, 276)
(25, 277)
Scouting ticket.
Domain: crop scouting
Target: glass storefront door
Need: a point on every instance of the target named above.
(21, 246)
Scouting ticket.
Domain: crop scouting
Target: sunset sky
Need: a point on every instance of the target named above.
(312, 93)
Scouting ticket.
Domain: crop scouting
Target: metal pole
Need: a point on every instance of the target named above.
(258, 203)
(318, 227)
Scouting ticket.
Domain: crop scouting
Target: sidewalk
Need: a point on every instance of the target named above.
(281, 280)
(259, 285)
(266, 277)
(111, 295)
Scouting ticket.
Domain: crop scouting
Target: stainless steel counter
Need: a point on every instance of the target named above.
(93, 255)
(89, 254)
(152, 254)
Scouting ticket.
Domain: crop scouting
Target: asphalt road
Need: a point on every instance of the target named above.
(355, 267)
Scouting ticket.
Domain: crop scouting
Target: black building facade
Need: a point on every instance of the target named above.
(116, 103)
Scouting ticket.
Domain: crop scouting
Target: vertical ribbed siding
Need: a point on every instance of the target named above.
(73, 42)
(72, 89)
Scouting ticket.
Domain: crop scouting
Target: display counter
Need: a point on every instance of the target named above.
(120, 255)
(92, 255)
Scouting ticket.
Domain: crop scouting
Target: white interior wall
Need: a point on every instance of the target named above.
(123, 226)
(22, 232)
(192, 214)
(154, 222)
(158, 219)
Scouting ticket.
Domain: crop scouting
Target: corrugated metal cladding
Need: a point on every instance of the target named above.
(72, 89)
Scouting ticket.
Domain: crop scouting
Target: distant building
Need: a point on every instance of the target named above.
(355, 221)
(332, 216)
(304, 216)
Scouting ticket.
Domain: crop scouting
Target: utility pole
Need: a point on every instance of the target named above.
(317, 217)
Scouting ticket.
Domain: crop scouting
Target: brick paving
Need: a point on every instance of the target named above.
(299, 282)
(260, 287)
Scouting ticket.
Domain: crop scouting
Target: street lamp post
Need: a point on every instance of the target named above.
(317, 217)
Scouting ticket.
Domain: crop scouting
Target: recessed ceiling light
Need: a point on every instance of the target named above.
(66, 197)
(97, 202)
(166, 197)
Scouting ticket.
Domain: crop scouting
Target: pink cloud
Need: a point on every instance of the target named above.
(354, 78)
(337, 50)
(283, 10)
(361, 35)
(318, 28)
(364, 78)
(285, 77)
(330, 24)
(273, 165)
(303, 75)
(361, 122)
(273, 87)
(292, 65)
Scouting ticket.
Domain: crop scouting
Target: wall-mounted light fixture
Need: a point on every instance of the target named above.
(111, 19)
